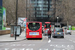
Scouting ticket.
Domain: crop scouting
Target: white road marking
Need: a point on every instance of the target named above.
(14, 49)
(56, 45)
(22, 49)
(63, 49)
(67, 45)
(29, 49)
(70, 40)
(40, 49)
(53, 49)
(49, 41)
(51, 45)
(6, 48)
(45, 49)
(62, 45)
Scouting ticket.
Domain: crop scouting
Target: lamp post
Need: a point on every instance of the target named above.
(57, 19)
(16, 10)
(16, 18)
(54, 12)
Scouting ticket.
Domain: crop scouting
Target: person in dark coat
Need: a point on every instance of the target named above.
(49, 33)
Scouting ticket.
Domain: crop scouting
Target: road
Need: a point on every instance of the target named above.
(66, 43)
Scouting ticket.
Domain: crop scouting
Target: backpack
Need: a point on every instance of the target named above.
(49, 31)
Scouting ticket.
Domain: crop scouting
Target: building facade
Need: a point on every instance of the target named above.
(42, 8)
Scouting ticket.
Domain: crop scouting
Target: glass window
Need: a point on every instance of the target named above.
(38, 15)
(47, 25)
(50, 5)
(45, 8)
(59, 30)
(51, 9)
(34, 26)
(45, 5)
(45, 15)
(50, 16)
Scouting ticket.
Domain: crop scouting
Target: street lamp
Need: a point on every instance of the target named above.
(16, 10)
(54, 12)
(16, 18)
(57, 19)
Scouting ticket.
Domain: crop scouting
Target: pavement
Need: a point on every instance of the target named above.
(8, 38)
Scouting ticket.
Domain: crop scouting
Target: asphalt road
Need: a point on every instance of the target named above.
(66, 43)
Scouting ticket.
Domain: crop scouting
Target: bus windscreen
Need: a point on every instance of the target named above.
(47, 25)
(33, 26)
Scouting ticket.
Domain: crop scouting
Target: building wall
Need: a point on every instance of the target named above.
(0, 2)
(42, 7)
(1, 14)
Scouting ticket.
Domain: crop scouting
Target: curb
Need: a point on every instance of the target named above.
(12, 41)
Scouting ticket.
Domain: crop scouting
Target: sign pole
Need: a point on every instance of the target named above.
(16, 18)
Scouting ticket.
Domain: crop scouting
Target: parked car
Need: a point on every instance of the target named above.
(58, 32)
(68, 32)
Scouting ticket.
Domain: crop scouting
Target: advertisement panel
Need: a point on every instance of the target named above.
(22, 21)
(4, 19)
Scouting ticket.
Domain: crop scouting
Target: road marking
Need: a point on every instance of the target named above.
(29, 49)
(6, 48)
(56, 45)
(62, 45)
(67, 45)
(70, 40)
(40, 49)
(14, 49)
(51, 45)
(22, 49)
(42, 39)
(63, 49)
(49, 41)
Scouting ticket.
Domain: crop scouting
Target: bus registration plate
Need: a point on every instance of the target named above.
(33, 33)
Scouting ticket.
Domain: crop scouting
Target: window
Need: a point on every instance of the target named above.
(47, 25)
(59, 30)
(51, 9)
(34, 26)
(45, 15)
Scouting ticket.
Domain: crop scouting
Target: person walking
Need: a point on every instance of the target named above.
(49, 33)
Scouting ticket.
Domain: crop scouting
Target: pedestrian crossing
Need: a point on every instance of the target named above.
(33, 49)
(26, 47)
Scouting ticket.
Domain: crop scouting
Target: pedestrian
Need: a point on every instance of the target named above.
(49, 33)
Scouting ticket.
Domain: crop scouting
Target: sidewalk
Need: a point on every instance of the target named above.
(7, 38)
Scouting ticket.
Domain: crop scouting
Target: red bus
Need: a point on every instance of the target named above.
(34, 30)
(46, 27)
